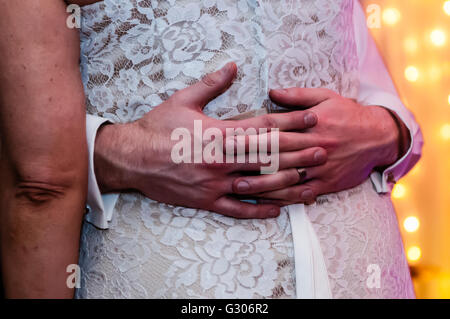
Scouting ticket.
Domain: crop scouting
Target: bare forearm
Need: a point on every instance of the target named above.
(44, 161)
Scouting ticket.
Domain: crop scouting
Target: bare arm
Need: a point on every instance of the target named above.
(43, 166)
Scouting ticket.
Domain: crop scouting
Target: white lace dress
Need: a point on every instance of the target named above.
(135, 54)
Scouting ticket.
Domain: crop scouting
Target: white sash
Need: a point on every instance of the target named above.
(311, 273)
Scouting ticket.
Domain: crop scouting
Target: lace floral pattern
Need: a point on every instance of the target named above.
(134, 55)
(159, 251)
(358, 229)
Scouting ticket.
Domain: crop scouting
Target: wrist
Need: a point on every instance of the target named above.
(110, 164)
(387, 136)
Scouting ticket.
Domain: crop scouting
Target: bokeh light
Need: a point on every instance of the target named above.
(412, 74)
(391, 16)
(447, 7)
(411, 224)
(414, 41)
(414, 253)
(445, 131)
(438, 37)
(399, 191)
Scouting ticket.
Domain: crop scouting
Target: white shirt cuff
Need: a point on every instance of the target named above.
(384, 181)
(99, 207)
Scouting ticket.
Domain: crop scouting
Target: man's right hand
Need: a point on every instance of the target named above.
(137, 155)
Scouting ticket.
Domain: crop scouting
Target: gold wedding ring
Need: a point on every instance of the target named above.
(301, 174)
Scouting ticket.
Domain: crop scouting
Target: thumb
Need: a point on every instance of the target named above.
(210, 86)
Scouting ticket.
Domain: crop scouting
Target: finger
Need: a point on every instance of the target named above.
(254, 162)
(267, 183)
(317, 172)
(291, 121)
(300, 97)
(303, 158)
(232, 207)
(278, 161)
(277, 202)
(208, 88)
(282, 142)
(304, 193)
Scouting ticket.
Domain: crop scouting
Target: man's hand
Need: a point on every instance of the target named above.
(137, 155)
(357, 139)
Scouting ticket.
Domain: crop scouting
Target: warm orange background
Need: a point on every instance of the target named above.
(405, 39)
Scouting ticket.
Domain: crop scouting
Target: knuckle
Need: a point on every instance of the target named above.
(295, 91)
(269, 122)
(291, 177)
(209, 80)
(302, 157)
(284, 139)
(291, 194)
(332, 143)
(212, 185)
(328, 92)
(285, 179)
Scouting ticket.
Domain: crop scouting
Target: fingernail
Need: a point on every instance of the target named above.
(243, 186)
(319, 156)
(228, 67)
(310, 119)
(307, 195)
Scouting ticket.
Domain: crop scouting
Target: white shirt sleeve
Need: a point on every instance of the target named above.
(377, 88)
(99, 207)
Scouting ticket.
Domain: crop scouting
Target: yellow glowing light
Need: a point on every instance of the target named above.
(411, 44)
(438, 37)
(412, 73)
(391, 16)
(411, 224)
(445, 131)
(449, 99)
(447, 7)
(399, 191)
(414, 253)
